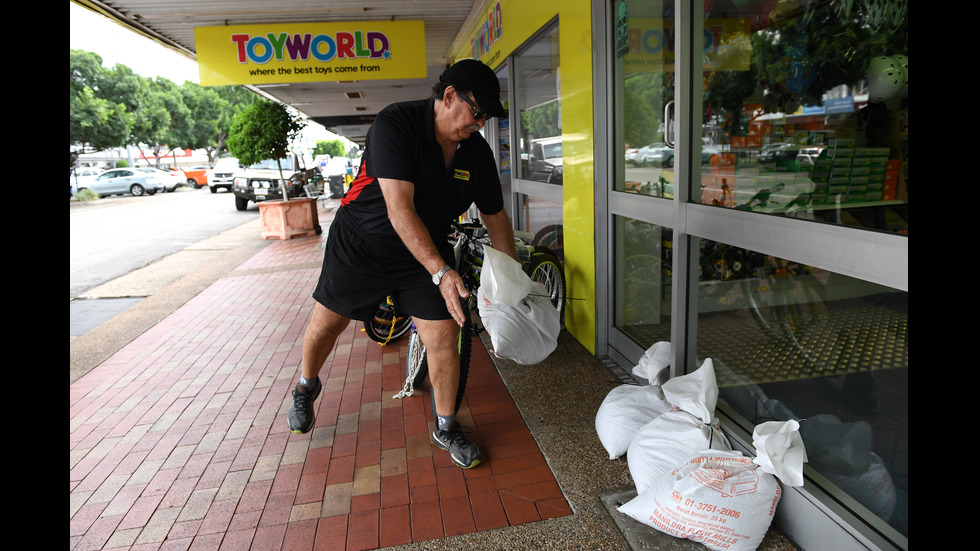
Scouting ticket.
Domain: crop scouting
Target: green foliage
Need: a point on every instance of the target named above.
(645, 94)
(114, 107)
(94, 119)
(86, 194)
(263, 130)
(205, 107)
(541, 121)
(97, 122)
(122, 163)
(334, 148)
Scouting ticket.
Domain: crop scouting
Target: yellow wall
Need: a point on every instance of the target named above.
(520, 20)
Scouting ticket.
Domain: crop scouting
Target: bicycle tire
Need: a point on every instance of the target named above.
(547, 269)
(783, 315)
(552, 237)
(387, 326)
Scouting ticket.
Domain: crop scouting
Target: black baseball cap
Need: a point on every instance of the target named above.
(477, 77)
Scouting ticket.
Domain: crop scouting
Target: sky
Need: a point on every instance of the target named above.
(90, 31)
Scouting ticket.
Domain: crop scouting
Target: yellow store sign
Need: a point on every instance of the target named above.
(305, 52)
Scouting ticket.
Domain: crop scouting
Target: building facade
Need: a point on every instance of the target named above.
(731, 177)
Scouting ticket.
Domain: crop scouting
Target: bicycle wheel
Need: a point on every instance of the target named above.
(465, 346)
(785, 308)
(546, 268)
(387, 325)
(551, 237)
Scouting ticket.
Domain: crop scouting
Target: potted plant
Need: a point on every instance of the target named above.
(262, 131)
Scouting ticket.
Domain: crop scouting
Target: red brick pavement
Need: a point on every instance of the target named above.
(179, 440)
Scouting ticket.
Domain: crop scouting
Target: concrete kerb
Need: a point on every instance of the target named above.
(167, 283)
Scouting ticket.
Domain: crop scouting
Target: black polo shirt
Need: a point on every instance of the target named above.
(401, 145)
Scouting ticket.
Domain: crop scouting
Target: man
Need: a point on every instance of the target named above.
(425, 163)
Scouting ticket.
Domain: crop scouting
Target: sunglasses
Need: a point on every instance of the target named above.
(477, 112)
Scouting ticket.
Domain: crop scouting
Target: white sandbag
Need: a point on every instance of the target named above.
(689, 427)
(696, 392)
(723, 499)
(720, 499)
(653, 362)
(623, 411)
(526, 332)
(663, 444)
(502, 279)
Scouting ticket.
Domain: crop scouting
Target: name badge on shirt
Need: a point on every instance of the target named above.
(462, 175)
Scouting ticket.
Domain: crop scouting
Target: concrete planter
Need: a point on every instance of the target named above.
(289, 219)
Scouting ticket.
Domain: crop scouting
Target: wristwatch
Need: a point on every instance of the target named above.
(437, 277)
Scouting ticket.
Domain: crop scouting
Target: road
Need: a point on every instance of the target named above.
(114, 236)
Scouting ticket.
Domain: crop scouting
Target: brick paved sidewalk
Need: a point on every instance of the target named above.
(179, 440)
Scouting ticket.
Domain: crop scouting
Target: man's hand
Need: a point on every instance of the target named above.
(501, 233)
(398, 196)
(452, 289)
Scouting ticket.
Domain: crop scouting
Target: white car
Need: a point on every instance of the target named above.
(223, 174)
(82, 178)
(138, 181)
(174, 178)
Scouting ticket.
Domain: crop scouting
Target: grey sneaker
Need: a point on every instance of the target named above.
(462, 452)
(301, 414)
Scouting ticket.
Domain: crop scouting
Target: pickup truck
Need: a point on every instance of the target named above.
(263, 181)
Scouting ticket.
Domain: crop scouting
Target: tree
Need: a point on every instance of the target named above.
(164, 118)
(97, 122)
(264, 130)
(541, 121)
(235, 99)
(206, 108)
(94, 120)
(334, 148)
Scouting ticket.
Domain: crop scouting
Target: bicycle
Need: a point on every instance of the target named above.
(388, 324)
(468, 241)
(784, 298)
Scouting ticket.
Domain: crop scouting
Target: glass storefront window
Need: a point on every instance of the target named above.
(542, 219)
(644, 71)
(538, 98)
(789, 341)
(642, 280)
(805, 111)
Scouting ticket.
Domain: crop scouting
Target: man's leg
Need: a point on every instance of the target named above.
(318, 342)
(441, 340)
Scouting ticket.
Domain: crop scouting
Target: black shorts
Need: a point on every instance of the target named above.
(359, 271)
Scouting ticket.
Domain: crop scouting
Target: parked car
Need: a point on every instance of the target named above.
(544, 164)
(82, 177)
(174, 178)
(634, 155)
(223, 174)
(262, 181)
(661, 155)
(197, 177)
(780, 156)
(138, 181)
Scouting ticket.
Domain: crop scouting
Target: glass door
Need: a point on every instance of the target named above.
(643, 161)
(537, 139)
